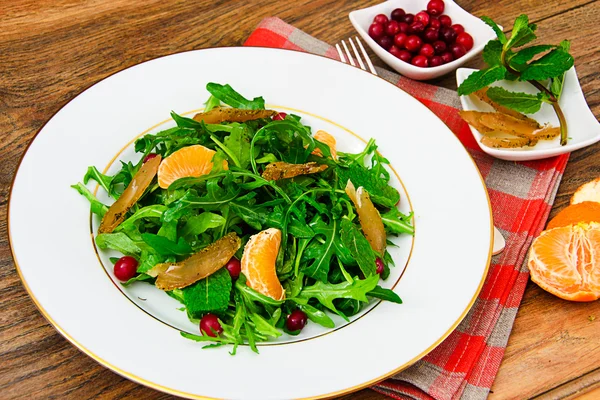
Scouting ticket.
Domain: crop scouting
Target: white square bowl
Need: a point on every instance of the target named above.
(582, 126)
(481, 33)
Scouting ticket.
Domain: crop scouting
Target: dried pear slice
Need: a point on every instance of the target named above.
(368, 216)
(481, 94)
(227, 114)
(473, 118)
(505, 123)
(501, 140)
(283, 170)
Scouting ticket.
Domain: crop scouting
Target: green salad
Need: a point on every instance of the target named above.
(255, 224)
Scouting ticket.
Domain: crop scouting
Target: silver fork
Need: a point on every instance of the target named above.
(356, 54)
(499, 242)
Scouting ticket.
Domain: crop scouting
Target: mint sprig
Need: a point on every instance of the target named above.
(505, 61)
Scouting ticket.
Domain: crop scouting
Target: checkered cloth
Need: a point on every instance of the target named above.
(465, 364)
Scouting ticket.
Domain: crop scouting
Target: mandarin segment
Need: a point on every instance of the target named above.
(329, 140)
(258, 263)
(190, 161)
(565, 261)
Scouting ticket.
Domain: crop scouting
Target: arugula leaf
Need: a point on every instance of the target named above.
(216, 197)
(103, 180)
(140, 278)
(227, 95)
(385, 294)
(211, 103)
(96, 206)
(522, 102)
(250, 294)
(359, 247)
(185, 122)
(317, 316)
(480, 79)
(200, 223)
(501, 36)
(551, 65)
(118, 241)
(148, 259)
(153, 211)
(325, 293)
(210, 294)
(264, 327)
(523, 56)
(166, 247)
(238, 142)
(397, 222)
(492, 52)
(318, 255)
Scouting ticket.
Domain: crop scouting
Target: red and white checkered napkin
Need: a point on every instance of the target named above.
(465, 364)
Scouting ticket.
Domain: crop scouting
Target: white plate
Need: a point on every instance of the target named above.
(481, 33)
(49, 227)
(583, 127)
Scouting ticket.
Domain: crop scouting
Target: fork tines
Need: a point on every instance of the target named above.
(349, 59)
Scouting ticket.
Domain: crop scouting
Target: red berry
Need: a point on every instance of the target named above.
(417, 27)
(413, 43)
(445, 20)
(395, 51)
(280, 116)
(403, 27)
(376, 31)
(210, 326)
(400, 40)
(125, 268)
(296, 321)
(439, 46)
(392, 28)
(458, 50)
(397, 14)
(427, 50)
(408, 18)
(447, 34)
(405, 56)
(386, 42)
(434, 23)
(381, 19)
(420, 61)
(447, 57)
(234, 268)
(435, 61)
(435, 7)
(466, 40)
(380, 266)
(458, 28)
(150, 157)
(431, 35)
(422, 17)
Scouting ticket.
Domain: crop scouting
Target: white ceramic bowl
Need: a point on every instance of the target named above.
(583, 127)
(362, 19)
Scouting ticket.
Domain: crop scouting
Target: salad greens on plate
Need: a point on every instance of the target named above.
(251, 221)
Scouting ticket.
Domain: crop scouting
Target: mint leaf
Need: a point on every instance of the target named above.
(325, 293)
(492, 52)
(557, 85)
(166, 247)
(501, 36)
(522, 32)
(551, 65)
(210, 294)
(524, 55)
(380, 192)
(359, 247)
(318, 254)
(522, 102)
(227, 95)
(480, 79)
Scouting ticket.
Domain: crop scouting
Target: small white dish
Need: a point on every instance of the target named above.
(583, 127)
(362, 19)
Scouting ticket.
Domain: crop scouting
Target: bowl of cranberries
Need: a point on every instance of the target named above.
(422, 39)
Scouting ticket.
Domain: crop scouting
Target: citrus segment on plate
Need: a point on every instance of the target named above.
(565, 261)
(329, 140)
(587, 211)
(258, 263)
(190, 161)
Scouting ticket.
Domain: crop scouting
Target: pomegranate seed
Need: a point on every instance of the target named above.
(386, 42)
(422, 17)
(125, 268)
(280, 116)
(445, 20)
(405, 56)
(435, 61)
(234, 268)
(397, 14)
(413, 43)
(392, 28)
(439, 46)
(458, 28)
(150, 157)
(400, 40)
(380, 266)
(465, 40)
(431, 35)
(427, 50)
(210, 326)
(381, 19)
(435, 7)
(296, 321)
(458, 50)
(376, 31)
(447, 57)
(420, 61)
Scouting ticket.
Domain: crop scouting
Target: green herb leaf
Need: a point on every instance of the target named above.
(522, 102)
(385, 294)
(166, 247)
(523, 56)
(238, 142)
(263, 326)
(501, 36)
(522, 32)
(138, 278)
(551, 65)
(480, 79)
(103, 180)
(119, 242)
(325, 293)
(380, 192)
(211, 103)
(153, 211)
(200, 223)
(492, 53)
(397, 222)
(317, 316)
(318, 254)
(227, 95)
(359, 247)
(210, 294)
(96, 206)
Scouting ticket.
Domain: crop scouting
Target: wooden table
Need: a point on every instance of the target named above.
(51, 50)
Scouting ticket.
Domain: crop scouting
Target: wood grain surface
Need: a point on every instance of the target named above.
(51, 50)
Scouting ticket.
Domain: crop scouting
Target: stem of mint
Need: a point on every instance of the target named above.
(551, 98)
